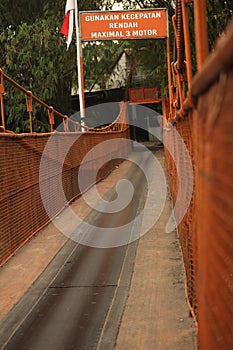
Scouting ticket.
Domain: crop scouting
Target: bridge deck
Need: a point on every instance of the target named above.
(146, 302)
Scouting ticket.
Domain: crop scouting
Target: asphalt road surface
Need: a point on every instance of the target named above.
(88, 290)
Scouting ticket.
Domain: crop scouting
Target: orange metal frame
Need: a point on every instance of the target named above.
(143, 95)
(182, 101)
(201, 111)
(29, 104)
(117, 125)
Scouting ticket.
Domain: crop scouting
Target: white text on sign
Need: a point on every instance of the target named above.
(110, 25)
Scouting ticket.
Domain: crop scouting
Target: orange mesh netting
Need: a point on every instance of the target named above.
(22, 213)
(213, 145)
(204, 121)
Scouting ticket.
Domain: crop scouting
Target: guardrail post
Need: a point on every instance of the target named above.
(66, 124)
(187, 41)
(29, 108)
(169, 76)
(201, 32)
(51, 117)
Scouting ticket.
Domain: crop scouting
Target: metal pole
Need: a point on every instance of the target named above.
(169, 76)
(201, 34)
(79, 66)
(187, 42)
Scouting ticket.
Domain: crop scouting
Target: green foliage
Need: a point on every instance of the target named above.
(219, 13)
(151, 54)
(34, 57)
(33, 52)
(153, 63)
(99, 60)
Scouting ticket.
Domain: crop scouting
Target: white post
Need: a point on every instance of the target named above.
(79, 66)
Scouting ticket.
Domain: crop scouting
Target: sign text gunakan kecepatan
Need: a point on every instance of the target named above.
(121, 24)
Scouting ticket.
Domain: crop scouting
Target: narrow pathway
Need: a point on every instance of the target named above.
(128, 297)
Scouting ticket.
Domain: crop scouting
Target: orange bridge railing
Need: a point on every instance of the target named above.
(203, 117)
(22, 213)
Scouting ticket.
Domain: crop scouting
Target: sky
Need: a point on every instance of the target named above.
(117, 6)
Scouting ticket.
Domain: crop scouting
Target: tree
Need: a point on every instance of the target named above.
(150, 54)
(33, 52)
(219, 12)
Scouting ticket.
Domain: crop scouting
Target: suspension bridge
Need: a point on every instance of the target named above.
(68, 285)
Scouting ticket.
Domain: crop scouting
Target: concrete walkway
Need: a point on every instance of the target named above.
(156, 314)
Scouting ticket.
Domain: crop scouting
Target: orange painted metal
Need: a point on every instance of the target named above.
(51, 117)
(179, 38)
(22, 213)
(29, 108)
(205, 124)
(213, 146)
(221, 59)
(169, 76)
(204, 121)
(143, 95)
(188, 62)
(201, 32)
(69, 125)
(185, 229)
(29, 99)
(178, 65)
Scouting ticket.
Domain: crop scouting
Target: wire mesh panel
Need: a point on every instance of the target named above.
(205, 124)
(22, 212)
(145, 95)
(177, 168)
(213, 145)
